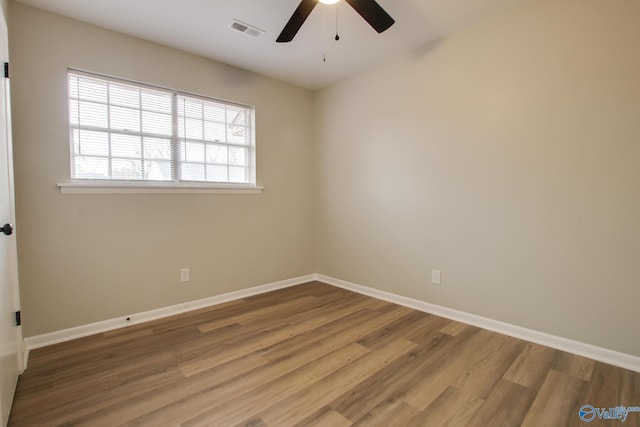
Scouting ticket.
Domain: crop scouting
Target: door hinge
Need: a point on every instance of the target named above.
(18, 319)
(6, 70)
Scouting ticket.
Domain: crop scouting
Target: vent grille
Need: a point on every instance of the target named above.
(247, 29)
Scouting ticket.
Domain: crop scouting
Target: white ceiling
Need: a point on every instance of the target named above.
(202, 27)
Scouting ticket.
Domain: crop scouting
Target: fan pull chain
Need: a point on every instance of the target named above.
(324, 34)
(337, 35)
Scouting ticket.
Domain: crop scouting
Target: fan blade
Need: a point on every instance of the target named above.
(373, 13)
(297, 19)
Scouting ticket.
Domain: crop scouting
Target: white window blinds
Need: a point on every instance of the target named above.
(215, 141)
(125, 131)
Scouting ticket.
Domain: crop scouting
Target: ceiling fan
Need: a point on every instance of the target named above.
(371, 11)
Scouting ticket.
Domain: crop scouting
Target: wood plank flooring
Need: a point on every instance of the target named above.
(313, 355)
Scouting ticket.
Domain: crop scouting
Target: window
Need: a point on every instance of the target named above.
(123, 131)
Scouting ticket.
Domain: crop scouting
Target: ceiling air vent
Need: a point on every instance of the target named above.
(247, 29)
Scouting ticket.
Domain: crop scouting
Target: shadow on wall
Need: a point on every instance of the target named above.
(422, 51)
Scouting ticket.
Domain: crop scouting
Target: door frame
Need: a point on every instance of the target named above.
(13, 250)
(10, 290)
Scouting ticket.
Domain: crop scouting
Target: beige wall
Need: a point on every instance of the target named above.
(506, 156)
(85, 258)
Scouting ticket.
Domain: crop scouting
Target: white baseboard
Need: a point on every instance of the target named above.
(56, 337)
(611, 357)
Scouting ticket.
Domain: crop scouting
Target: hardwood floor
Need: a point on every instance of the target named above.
(313, 355)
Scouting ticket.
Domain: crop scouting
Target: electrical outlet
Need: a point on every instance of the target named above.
(435, 277)
(185, 275)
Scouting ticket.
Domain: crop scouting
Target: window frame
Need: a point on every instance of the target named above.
(175, 185)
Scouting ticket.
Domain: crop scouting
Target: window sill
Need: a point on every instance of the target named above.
(123, 187)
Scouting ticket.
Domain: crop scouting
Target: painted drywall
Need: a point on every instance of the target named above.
(86, 258)
(505, 156)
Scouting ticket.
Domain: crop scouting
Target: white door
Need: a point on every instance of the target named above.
(10, 334)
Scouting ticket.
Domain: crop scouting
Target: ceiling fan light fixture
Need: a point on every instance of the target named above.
(370, 11)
